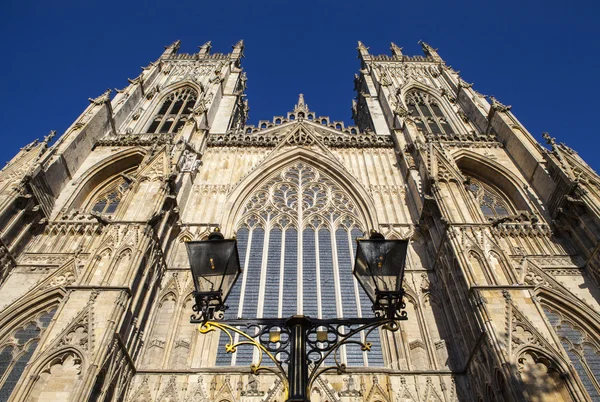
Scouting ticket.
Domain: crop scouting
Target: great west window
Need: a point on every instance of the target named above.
(296, 241)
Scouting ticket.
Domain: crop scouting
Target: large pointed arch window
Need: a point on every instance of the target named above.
(174, 111)
(581, 347)
(492, 204)
(16, 349)
(296, 240)
(427, 113)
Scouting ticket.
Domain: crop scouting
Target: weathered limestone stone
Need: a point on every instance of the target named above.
(501, 277)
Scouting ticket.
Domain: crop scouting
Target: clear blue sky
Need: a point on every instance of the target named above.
(541, 57)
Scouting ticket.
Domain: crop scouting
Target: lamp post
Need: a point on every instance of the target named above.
(299, 340)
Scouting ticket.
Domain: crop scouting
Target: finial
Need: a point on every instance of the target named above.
(102, 99)
(204, 49)
(49, 137)
(429, 51)
(549, 140)
(238, 52)
(499, 106)
(175, 45)
(216, 234)
(171, 49)
(396, 50)
(363, 51)
(301, 106)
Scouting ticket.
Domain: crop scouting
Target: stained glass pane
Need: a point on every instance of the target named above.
(592, 359)
(5, 358)
(271, 302)
(290, 284)
(100, 205)
(487, 211)
(328, 302)
(112, 207)
(309, 273)
(587, 365)
(27, 333)
(15, 373)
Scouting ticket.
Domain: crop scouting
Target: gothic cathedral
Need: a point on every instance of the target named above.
(502, 271)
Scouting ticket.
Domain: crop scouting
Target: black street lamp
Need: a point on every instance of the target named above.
(299, 340)
(215, 268)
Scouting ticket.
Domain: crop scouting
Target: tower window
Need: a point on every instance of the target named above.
(427, 113)
(108, 201)
(174, 112)
(491, 203)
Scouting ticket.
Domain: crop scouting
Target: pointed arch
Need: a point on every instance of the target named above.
(162, 323)
(101, 174)
(19, 339)
(171, 111)
(57, 376)
(261, 174)
(297, 217)
(27, 306)
(428, 110)
(579, 335)
(494, 174)
(541, 372)
(120, 267)
(583, 315)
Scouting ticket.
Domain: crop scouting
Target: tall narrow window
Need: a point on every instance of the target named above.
(492, 204)
(110, 197)
(583, 351)
(427, 113)
(17, 349)
(174, 111)
(296, 241)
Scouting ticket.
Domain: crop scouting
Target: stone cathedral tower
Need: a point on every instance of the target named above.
(502, 273)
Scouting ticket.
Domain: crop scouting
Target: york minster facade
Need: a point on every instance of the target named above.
(501, 276)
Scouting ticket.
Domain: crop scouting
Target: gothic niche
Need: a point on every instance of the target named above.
(542, 379)
(57, 379)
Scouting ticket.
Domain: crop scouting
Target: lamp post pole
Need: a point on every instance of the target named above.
(299, 339)
(298, 368)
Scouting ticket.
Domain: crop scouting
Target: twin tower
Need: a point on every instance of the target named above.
(501, 278)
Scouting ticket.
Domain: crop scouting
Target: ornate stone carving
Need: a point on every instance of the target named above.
(102, 99)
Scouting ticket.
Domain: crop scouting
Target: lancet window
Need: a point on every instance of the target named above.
(17, 348)
(174, 111)
(427, 113)
(491, 203)
(296, 240)
(582, 349)
(108, 200)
